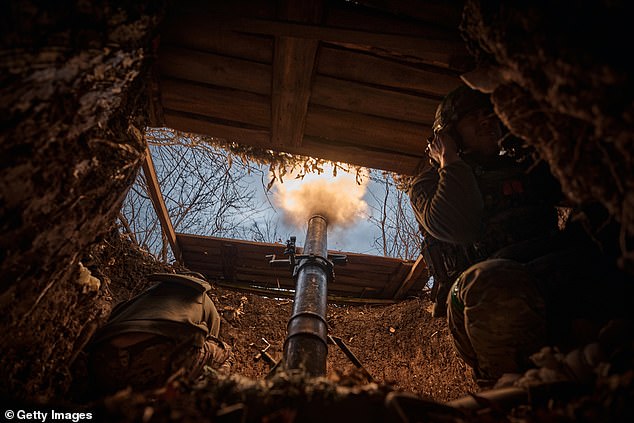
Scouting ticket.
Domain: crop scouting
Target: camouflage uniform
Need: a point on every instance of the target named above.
(497, 317)
(496, 311)
(515, 278)
(171, 326)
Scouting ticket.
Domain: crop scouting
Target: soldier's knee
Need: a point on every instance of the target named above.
(491, 272)
(493, 280)
(498, 310)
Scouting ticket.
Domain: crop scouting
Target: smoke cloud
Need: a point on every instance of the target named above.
(339, 199)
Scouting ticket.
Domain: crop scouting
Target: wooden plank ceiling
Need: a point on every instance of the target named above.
(243, 265)
(356, 82)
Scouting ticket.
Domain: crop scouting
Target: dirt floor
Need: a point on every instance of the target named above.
(401, 346)
(408, 353)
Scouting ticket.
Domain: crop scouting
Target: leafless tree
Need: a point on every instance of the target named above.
(391, 212)
(205, 192)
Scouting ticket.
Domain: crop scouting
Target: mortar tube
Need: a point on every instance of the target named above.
(306, 345)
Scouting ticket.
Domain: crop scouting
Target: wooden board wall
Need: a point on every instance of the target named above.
(244, 264)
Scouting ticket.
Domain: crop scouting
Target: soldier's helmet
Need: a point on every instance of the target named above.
(457, 104)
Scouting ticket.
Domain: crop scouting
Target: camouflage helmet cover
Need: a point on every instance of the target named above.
(457, 104)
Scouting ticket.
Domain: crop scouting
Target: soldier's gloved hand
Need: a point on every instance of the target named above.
(442, 148)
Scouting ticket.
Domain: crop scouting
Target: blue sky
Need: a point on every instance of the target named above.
(194, 191)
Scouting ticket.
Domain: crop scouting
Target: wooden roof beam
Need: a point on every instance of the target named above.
(335, 149)
(415, 272)
(293, 66)
(437, 51)
(154, 190)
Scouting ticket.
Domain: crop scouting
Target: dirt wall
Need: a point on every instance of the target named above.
(72, 82)
(560, 80)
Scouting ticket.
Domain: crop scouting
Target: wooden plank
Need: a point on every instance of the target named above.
(361, 98)
(366, 278)
(203, 240)
(329, 149)
(377, 270)
(221, 103)
(418, 286)
(230, 109)
(332, 148)
(371, 272)
(240, 263)
(197, 244)
(294, 60)
(429, 20)
(216, 128)
(337, 150)
(229, 262)
(369, 283)
(443, 12)
(193, 31)
(434, 51)
(363, 279)
(255, 265)
(155, 107)
(156, 197)
(265, 281)
(353, 286)
(225, 9)
(204, 252)
(215, 268)
(369, 69)
(369, 258)
(293, 64)
(392, 13)
(237, 276)
(188, 240)
(258, 260)
(307, 11)
(414, 274)
(245, 259)
(252, 271)
(395, 280)
(214, 69)
(365, 130)
(434, 20)
(366, 14)
(290, 294)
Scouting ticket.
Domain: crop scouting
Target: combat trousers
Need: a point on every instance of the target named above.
(497, 317)
(502, 310)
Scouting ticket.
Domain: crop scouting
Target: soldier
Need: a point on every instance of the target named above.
(172, 325)
(513, 281)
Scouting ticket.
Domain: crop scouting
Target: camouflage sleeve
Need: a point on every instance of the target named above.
(447, 203)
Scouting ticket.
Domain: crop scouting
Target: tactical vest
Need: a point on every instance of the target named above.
(518, 206)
